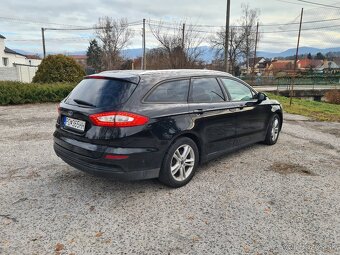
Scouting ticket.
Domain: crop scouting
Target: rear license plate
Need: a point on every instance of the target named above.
(74, 123)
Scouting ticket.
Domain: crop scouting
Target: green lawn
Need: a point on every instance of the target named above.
(316, 110)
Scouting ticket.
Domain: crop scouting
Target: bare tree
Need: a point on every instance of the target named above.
(248, 23)
(241, 41)
(180, 43)
(114, 35)
(235, 43)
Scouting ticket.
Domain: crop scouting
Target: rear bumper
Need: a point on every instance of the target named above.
(138, 166)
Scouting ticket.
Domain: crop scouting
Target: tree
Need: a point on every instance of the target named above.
(319, 55)
(157, 58)
(58, 68)
(113, 35)
(241, 41)
(309, 56)
(181, 48)
(234, 52)
(248, 23)
(94, 54)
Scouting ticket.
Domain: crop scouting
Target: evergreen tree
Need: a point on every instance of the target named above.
(309, 56)
(93, 54)
(319, 55)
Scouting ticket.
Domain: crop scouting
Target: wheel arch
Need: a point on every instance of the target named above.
(193, 137)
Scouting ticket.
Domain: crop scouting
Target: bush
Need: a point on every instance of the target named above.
(23, 93)
(333, 96)
(58, 68)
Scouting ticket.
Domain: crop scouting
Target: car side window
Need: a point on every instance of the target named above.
(237, 90)
(170, 92)
(206, 90)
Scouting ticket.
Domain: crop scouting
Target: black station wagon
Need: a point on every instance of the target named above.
(160, 124)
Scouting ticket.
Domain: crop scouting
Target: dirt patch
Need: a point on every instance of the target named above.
(286, 168)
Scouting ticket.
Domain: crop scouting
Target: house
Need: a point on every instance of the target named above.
(306, 65)
(328, 67)
(15, 66)
(283, 67)
(10, 58)
(260, 65)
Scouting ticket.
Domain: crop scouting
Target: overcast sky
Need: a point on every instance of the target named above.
(21, 21)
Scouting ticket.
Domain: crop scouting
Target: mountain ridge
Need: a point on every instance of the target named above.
(208, 52)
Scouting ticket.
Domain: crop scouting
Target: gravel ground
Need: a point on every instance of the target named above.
(283, 199)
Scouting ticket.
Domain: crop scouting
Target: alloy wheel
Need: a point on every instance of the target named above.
(182, 162)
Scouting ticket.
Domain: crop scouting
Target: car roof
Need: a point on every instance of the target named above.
(135, 75)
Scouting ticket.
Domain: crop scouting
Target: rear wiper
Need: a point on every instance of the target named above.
(79, 101)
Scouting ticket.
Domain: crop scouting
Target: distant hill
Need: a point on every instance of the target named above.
(291, 52)
(208, 52)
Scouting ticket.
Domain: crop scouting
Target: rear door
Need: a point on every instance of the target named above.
(213, 115)
(251, 117)
(74, 128)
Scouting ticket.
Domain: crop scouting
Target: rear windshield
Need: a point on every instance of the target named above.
(101, 92)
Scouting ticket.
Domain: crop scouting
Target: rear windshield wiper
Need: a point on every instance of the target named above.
(79, 101)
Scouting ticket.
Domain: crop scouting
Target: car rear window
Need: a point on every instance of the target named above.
(101, 92)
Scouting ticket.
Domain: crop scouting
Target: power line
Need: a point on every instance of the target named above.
(177, 25)
(135, 23)
(296, 30)
(319, 4)
(35, 22)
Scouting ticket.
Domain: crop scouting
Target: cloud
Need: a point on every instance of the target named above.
(25, 35)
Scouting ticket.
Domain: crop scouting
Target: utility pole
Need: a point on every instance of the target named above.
(183, 57)
(256, 38)
(143, 64)
(183, 36)
(43, 41)
(296, 59)
(226, 43)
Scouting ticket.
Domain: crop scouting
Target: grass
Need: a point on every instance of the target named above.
(22, 93)
(316, 110)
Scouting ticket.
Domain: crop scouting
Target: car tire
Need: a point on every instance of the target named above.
(273, 131)
(179, 163)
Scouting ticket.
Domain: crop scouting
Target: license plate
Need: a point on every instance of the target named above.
(74, 123)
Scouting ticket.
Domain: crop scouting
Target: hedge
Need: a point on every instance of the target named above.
(23, 93)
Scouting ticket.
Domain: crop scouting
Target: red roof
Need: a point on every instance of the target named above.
(308, 63)
(282, 65)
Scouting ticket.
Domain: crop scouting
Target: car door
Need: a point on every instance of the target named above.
(213, 116)
(251, 117)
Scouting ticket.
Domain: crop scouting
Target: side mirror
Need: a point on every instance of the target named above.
(260, 97)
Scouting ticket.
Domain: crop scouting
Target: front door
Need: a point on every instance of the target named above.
(213, 116)
(251, 118)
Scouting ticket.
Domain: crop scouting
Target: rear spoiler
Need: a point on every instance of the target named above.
(132, 78)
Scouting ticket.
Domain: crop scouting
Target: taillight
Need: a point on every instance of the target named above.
(118, 119)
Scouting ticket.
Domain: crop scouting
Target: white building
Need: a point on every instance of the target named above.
(15, 66)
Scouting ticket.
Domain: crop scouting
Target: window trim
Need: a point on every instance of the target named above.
(190, 101)
(254, 92)
(145, 97)
(4, 59)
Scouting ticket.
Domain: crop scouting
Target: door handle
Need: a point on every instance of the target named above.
(198, 111)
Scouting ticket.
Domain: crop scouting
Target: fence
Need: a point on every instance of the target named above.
(22, 73)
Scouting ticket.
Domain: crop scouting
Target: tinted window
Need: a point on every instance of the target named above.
(206, 90)
(237, 90)
(172, 91)
(101, 92)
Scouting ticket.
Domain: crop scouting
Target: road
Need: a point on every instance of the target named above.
(281, 199)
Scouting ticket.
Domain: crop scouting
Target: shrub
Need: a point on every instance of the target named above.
(58, 68)
(333, 96)
(22, 93)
